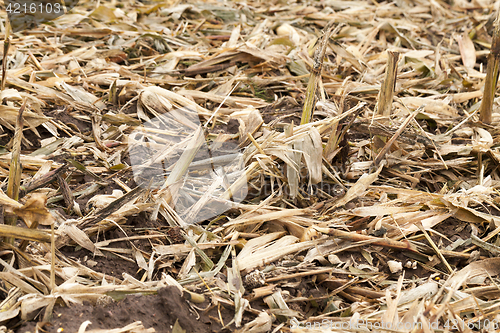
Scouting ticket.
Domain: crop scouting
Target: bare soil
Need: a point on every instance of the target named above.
(160, 312)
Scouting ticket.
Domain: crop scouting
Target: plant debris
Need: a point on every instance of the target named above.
(251, 167)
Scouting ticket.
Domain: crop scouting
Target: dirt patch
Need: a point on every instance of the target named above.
(110, 264)
(159, 311)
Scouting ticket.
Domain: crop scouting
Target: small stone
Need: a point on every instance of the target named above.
(394, 266)
(91, 263)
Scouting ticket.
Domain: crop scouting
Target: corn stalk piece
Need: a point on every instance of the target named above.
(24, 233)
(385, 242)
(6, 45)
(48, 178)
(319, 54)
(490, 83)
(15, 169)
(386, 94)
(104, 212)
